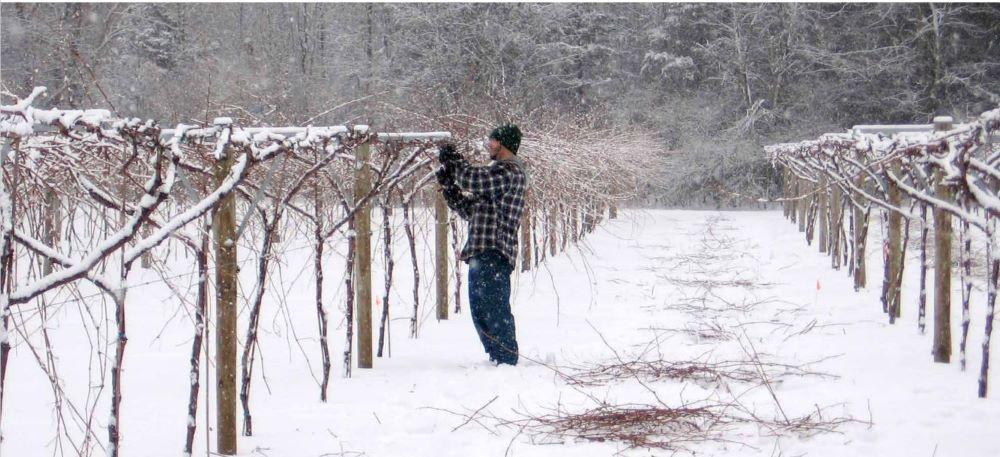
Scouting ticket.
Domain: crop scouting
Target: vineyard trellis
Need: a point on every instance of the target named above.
(951, 170)
(85, 194)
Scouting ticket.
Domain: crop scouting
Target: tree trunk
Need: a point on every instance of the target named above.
(321, 318)
(201, 302)
(53, 227)
(964, 278)
(389, 266)
(250, 342)
(6, 267)
(457, 249)
(441, 254)
(114, 424)
(993, 265)
(349, 287)
(526, 240)
(922, 311)
(411, 240)
(550, 223)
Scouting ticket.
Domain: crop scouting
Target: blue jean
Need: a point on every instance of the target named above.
(489, 298)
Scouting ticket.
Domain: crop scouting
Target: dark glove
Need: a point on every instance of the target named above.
(457, 201)
(452, 195)
(445, 177)
(447, 155)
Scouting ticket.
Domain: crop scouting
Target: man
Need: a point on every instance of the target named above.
(491, 199)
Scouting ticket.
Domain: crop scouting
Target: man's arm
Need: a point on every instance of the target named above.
(452, 194)
(458, 202)
(483, 182)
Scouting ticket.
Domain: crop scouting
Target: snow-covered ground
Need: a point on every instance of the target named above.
(650, 285)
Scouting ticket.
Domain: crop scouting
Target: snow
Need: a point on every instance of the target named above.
(623, 286)
(175, 141)
(20, 118)
(24, 103)
(222, 142)
(169, 227)
(84, 265)
(414, 136)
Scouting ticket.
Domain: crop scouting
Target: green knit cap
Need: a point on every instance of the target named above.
(508, 135)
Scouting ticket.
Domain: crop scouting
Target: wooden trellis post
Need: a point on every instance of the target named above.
(363, 256)
(942, 263)
(836, 227)
(784, 192)
(790, 193)
(808, 211)
(226, 283)
(895, 251)
(955, 177)
(860, 239)
(801, 205)
(441, 254)
(824, 239)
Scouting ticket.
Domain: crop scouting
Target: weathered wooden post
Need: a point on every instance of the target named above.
(836, 227)
(811, 210)
(824, 239)
(784, 192)
(793, 188)
(801, 205)
(441, 254)
(363, 256)
(224, 227)
(895, 251)
(860, 237)
(942, 262)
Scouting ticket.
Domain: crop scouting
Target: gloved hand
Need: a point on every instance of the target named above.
(447, 155)
(452, 195)
(445, 176)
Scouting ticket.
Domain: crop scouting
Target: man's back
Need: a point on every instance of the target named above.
(494, 207)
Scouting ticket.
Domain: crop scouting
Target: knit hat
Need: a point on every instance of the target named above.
(508, 135)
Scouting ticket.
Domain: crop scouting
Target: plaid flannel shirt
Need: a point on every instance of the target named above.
(492, 202)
